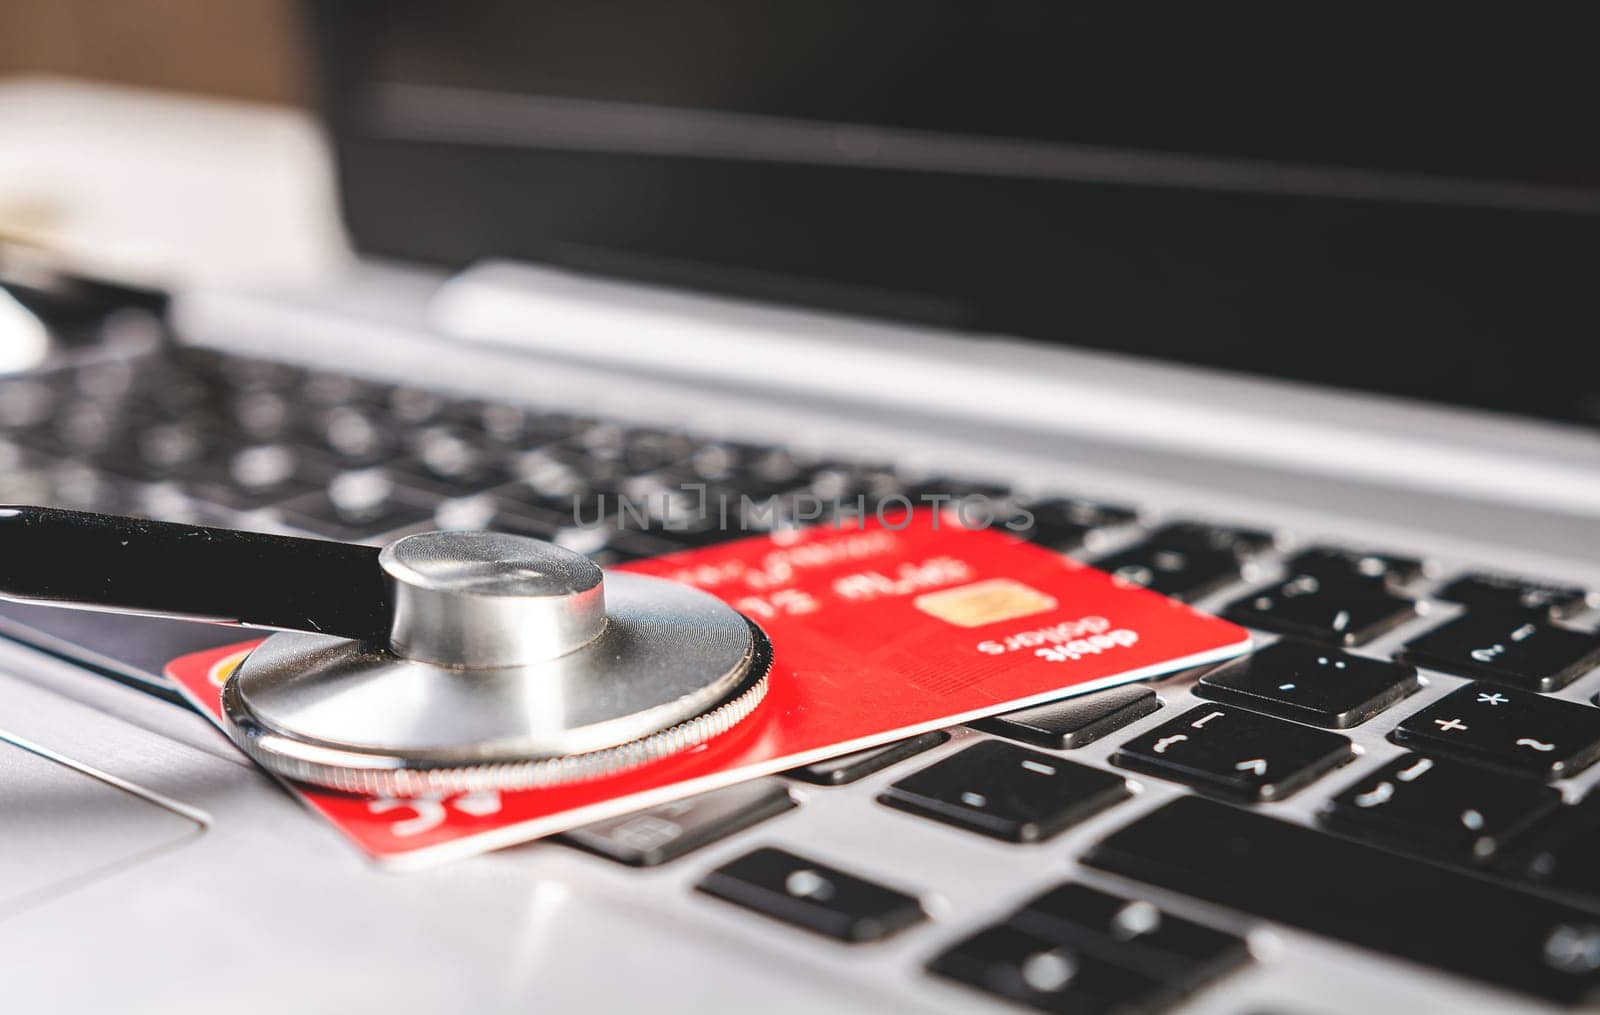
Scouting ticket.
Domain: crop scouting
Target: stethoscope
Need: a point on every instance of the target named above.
(443, 662)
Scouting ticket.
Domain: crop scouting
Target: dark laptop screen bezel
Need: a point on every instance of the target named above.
(1332, 233)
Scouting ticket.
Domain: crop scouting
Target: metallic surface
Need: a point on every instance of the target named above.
(547, 927)
(480, 599)
(64, 826)
(345, 715)
(352, 772)
(1200, 413)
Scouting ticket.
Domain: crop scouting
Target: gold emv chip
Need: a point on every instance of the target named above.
(985, 602)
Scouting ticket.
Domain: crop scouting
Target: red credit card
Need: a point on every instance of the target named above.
(877, 634)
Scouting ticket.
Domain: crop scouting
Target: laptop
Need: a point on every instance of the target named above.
(1236, 309)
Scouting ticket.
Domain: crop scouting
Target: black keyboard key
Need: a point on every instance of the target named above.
(514, 427)
(654, 836)
(106, 381)
(779, 884)
(359, 505)
(414, 407)
(940, 491)
(607, 547)
(78, 487)
(718, 461)
(177, 389)
(558, 489)
(1007, 792)
(485, 511)
(1559, 855)
(1062, 523)
(357, 437)
(1508, 648)
(602, 438)
(167, 502)
(1241, 542)
(1183, 573)
(1440, 808)
(1338, 563)
(1043, 974)
(1338, 613)
(156, 452)
(77, 430)
(1074, 722)
(683, 539)
(857, 765)
(1520, 731)
(1400, 907)
(1060, 537)
(259, 475)
(686, 515)
(1310, 684)
(27, 402)
(846, 482)
(24, 474)
(331, 388)
(639, 449)
(731, 506)
(1132, 933)
(260, 417)
(1235, 753)
(1505, 593)
(1076, 510)
(759, 468)
(243, 373)
(451, 464)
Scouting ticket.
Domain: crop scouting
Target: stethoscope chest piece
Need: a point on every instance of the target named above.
(485, 661)
(572, 675)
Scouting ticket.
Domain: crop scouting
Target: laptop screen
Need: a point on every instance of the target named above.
(1263, 190)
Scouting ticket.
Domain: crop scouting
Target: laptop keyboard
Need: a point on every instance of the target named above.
(1470, 820)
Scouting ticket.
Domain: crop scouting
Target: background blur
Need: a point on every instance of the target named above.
(241, 49)
(166, 143)
(1348, 196)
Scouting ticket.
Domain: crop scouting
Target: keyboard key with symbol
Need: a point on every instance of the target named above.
(1548, 600)
(813, 896)
(1339, 613)
(1440, 808)
(1235, 753)
(1520, 731)
(1043, 974)
(1074, 722)
(1310, 684)
(654, 836)
(1509, 648)
(1007, 792)
(1132, 933)
(858, 765)
(1397, 906)
(1338, 563)
(1184, 573)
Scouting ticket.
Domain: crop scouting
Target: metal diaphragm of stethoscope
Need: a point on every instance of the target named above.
(443, 662)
